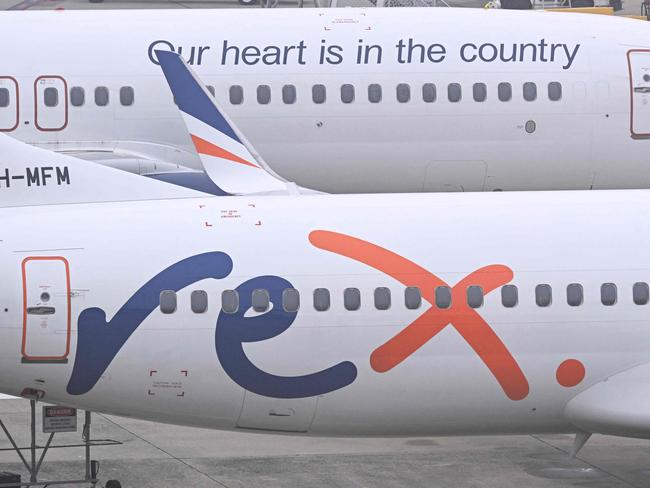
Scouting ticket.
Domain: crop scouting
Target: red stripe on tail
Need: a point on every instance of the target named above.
(204, 147)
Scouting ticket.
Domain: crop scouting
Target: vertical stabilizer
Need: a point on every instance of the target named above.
(227, 156)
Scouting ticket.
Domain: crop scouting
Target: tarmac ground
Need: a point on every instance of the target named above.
(161, 456)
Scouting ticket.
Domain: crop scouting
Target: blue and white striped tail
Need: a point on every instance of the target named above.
(227, 157)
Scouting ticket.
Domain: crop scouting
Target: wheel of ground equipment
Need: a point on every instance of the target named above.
(112, 483)
(96, 1)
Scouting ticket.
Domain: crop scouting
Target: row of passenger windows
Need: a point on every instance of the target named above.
(51, 96)
(101, 95)
(321, 299)
(403, 93)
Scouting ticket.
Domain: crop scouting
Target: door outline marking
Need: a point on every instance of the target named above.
(65, 98)
(634, 135)
(47, 359)
(15, 82)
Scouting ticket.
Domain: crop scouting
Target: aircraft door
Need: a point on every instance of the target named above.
(50, 103)
(46, 309)
(8, 103)
(639, 68)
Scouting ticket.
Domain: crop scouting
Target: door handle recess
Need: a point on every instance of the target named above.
(282, 412)
(41, 310)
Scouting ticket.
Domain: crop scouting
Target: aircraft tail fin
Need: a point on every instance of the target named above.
(227, 156)
(33, 176)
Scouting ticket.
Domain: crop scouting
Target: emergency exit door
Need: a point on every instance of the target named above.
(46, 309)
(639, 68)
(9, 109)
(50, 103)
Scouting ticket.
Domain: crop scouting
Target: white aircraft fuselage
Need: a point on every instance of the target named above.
(375, 100)
(103, 307)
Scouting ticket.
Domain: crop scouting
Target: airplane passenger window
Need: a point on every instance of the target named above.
(429, 92)
(454, 92)
(509, 296)
(263, 94)
(77, 96)
(475, 296)
(127, 96)
(101, 96)
(290, 300)
(403, 92)
(412, 297)
(260, 300)
(574, 294)
(351, 299)
(321, 299)
(236, 95)
(641, 293)
(608, 294)
(543, 295)
(530, 91)
(374, 93)
(230, 301)
(4, 97)
(382, 298)
(211, 90)
(505, 92)
(479, 91)
(289, 94)
(318, 93)
(168, 301)
(347, 93)
(443, 297)
(554, 91)
(51, 96)
(199, 301)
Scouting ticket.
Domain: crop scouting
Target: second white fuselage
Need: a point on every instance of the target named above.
(348, 100)
(542, 307)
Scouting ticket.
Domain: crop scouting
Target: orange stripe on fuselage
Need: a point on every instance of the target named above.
(466, 320)
(204, 147)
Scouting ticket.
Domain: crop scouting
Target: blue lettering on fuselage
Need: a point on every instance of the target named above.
(100, 341)
(193, 55)
(233, 330)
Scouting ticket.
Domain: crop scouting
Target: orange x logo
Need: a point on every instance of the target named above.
(466, 320)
